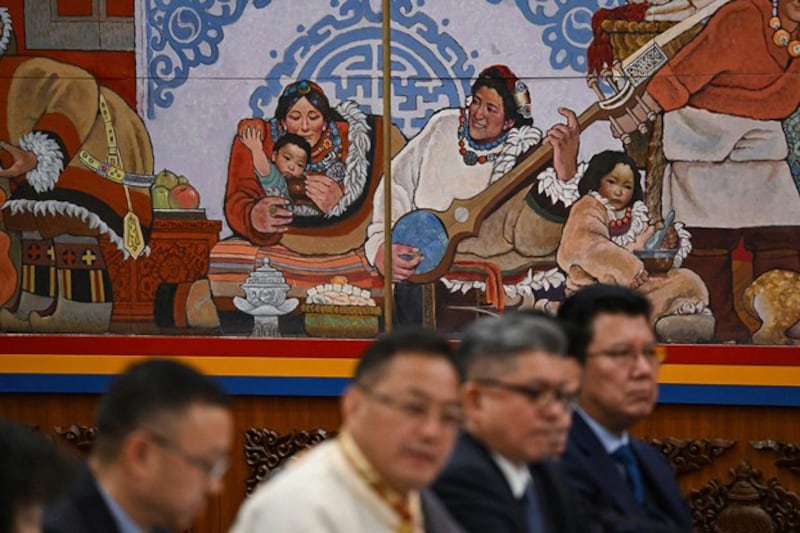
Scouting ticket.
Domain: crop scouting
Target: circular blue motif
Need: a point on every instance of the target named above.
(424, 231)
(345, 50)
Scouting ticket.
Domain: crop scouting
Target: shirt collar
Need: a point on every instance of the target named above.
(609, 441)
(517, 476)
(125, 523)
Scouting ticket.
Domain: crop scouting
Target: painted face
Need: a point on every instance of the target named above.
(525, 413)
(789, 10)
(291, 160)
(406, 423)
(192, 453)
(617, 186)
(487, 116)
(306, 121)
(619, 379)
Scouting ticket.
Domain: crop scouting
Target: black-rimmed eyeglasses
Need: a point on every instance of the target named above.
(539, 396)
(214, 470)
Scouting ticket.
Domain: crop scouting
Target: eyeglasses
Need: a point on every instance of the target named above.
(214, 470)
(628, 355)
(539, 396)
(450, 417)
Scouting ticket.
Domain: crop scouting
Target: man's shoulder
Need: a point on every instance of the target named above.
(303, 477)
(79, 510)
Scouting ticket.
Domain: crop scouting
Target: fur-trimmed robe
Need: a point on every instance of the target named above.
(52, 110)
(588, 255)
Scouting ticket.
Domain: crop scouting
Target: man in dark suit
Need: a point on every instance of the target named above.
(518, 396)
(163, 439)
(625, 484)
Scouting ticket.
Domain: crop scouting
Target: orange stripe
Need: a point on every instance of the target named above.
(28, 280)
(52, 275)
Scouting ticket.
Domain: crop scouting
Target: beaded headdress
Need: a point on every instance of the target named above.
(515, 86)
(300, 89)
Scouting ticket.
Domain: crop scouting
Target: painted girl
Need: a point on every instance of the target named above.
(603, 229)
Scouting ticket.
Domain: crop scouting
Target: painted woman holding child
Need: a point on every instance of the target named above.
(336, 174)
(299, 191)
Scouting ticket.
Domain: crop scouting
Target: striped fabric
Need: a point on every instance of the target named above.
(232, 260)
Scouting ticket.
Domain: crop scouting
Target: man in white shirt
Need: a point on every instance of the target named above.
(518, 396)
(625, 482)
(400, 419)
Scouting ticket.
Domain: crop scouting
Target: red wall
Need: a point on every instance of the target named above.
(116, 69)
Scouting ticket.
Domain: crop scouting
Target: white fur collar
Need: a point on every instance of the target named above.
(517, 143)
(5, 37)
(357, 166)
(640, 217)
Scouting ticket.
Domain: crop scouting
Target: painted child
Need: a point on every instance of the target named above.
(607, 223)
(290, 155)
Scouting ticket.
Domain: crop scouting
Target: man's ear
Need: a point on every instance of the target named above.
(470, 397)
(508, 124)
(351, 402)
(136, 453)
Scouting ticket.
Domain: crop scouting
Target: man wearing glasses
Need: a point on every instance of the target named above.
(624, 482)
(400, 419)
(518, 397)
(163, 440)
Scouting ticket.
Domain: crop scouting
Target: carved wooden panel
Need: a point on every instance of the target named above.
(745, 505)
(265, 450)
(689, 455)
(81, 437)
(179, 253)
(788, 453)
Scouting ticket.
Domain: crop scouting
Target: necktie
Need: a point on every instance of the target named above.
(624, 456)
(533, 509)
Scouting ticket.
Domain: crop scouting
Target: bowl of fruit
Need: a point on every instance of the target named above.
(173, 193)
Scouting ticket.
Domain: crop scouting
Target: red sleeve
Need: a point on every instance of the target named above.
(243, 191)
(716, 49)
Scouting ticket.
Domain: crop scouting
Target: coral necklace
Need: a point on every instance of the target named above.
(782, 37)
(471, 158)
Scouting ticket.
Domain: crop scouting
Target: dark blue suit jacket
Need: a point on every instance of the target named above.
(476, 493)
(605, 492)
(81, 510)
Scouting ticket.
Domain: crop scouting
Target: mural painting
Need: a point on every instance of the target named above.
(232, 183)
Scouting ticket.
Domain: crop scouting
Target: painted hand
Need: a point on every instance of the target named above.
(270, 215)
(404, 261)
(565, 140)
(323, 191)
(23, 161)
(252, 138)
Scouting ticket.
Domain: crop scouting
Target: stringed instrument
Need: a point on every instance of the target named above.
(437, 233)
(8, 273)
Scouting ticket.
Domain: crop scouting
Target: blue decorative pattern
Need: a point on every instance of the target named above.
(568, 27)
(345, 49)
(182, 34)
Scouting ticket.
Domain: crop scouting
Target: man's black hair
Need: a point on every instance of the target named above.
(146, 390)
(32, 471)
(400, 341)
(580, 309)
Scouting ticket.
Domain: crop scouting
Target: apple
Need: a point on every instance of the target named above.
(182, 180)
(167, 179)
(184, 196)
(160, 195)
